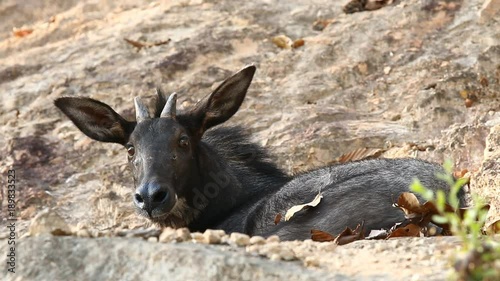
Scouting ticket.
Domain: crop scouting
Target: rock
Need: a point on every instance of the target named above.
(120, 258)
(486, 182)
(273, 239)
(48, 221)
(168, 235)
(198, 237)
(239, 239)
(144, 233)
(311, 262)
(489, 11)
(287, 254)
(85, 233)
(275, 257)
(212, 236)
(257, 240)
(183, 234)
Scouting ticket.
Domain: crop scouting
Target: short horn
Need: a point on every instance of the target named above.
(169, 109)
(141, 112)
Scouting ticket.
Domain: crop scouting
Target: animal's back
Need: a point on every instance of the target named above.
(352, 193)
(257, 177)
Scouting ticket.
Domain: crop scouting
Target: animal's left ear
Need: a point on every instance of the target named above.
(224, 102)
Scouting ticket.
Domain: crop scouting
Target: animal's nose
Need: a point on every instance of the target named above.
(150, 196)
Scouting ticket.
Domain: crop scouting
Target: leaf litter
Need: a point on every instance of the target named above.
(419, 222)
(297, 208)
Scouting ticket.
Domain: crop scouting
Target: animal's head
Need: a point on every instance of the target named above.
(162, 149)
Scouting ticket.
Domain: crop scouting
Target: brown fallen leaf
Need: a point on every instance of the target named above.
(359, 154)
(372, 5)
(277, 219)
(282, 41)
(460, 174)
(60, 232)
(321, 236)
(484, 81)
(348, 235)
(298, 43)
(464, 94)
(297, 208)
(22, 32)
(468, 102)
(139, 44)
(493, 228)
(422, 215)
(409, 204)
(364, 5)
(354, 6)
(410, 230)
(319, 25)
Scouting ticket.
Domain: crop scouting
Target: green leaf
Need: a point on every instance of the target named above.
(417, 187)
(440, 200)
(440, 219)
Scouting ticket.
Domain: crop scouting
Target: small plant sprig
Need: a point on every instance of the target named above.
(481, 252)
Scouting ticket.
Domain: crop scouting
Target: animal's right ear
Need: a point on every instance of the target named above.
(223, 103)
(95, 119)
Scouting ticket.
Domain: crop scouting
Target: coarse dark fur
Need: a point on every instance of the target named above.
(189, 174)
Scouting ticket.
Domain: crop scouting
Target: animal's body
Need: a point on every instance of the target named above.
(189, 174)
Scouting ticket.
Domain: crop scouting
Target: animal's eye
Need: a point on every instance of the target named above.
(131, 151)
(184, 141)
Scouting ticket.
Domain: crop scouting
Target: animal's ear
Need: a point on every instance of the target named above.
(223, 103)
(96, 119)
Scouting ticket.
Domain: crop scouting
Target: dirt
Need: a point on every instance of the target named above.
(413, 78)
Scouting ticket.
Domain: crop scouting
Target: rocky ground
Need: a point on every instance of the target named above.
(418, 78)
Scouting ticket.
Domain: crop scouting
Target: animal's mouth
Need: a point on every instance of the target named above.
(158, 216)
(180, 215)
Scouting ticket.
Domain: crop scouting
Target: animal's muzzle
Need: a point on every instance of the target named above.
(154, 198)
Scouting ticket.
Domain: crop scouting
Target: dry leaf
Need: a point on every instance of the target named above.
(409, 204)
(348, 235)
(460, 174)
(297, 208)
(319, 25)
(363, 68)
(376, 234)
(282, 41)
(493, 228)
(277, 219)
(359, 154)
(464, 94)
(22, 32)
(372, 5)
(421, 215)
(484, 81)
(61, 232)
(298, 43)
(321, 236)
(411, 230)
(364, 5)
(139, 45)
